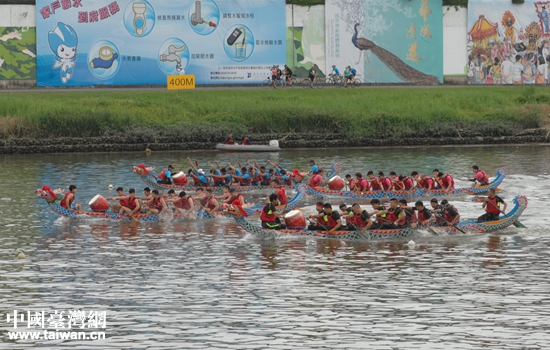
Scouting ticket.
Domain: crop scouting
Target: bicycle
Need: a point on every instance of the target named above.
(269, 83)
(319, 83)
(335, 79)
(292, 79)
(353, 82)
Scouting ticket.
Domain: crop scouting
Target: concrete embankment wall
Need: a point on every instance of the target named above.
(137, 144)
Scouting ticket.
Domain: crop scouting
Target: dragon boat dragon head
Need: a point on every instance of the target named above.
(142, 170)
(48, 194)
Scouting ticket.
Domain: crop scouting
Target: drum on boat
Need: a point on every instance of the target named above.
(99, 203)
(336, 183)
(179, 178)
(295, 219)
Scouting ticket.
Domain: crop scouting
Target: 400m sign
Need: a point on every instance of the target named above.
(180, 82)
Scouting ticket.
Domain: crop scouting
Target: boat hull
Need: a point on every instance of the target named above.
(417, 192)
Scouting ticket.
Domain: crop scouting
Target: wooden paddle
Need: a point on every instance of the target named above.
(316, 223)
(448, 223)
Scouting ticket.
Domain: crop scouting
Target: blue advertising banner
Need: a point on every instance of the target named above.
(124, 42)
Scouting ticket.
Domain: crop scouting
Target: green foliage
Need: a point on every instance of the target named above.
(456, 3)
(518, 1)
(210, 114)
(305, 2)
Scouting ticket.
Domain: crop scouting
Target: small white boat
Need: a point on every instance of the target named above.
(272, 147)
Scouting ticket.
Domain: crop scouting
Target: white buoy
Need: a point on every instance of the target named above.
(21, 255)
(411, 244)
(110, 186)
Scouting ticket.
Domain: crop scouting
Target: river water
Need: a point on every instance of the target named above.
(207, 285)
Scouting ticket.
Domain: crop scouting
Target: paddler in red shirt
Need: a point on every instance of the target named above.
(184, 204)
(121, 198)
(362, 183)
(492, 207)
(330, 219)
(157, 204)
(374, 182)
(480, 178)
(68, 199)
(131, 206)
(445, 181)
(317, 179)
(384, 181)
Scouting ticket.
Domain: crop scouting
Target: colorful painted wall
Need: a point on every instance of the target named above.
(17, 44)
(508, 44)
(386, 41)
(17, 53)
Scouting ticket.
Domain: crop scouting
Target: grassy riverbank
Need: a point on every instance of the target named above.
(398, 112)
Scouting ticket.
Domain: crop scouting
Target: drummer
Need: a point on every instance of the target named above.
(350, 182)
(131, 206)
(235, 198)
(68, 199)
(269, 215)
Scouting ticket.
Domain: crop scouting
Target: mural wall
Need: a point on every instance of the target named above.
(17, 53)
(508, 44)
(129, 42)
(386, 41)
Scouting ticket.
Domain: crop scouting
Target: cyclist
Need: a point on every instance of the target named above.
(312, 76)
(347, 76)
(273, 76)
(288, 75)
(279, 75)
(335, 74)
(353, 72)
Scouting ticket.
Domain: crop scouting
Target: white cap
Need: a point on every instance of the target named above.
(200, 171)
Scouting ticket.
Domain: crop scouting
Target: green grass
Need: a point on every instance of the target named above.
(371, 112)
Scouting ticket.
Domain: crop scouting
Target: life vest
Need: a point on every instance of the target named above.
(448, 179)
(64, 200)
(448, 217)
(359, 219)
(315, 180)
(409, 216)
(328, 220)
(267, 217)
(494, 206)
(123, 202)
(208, 203)
(398, 185)
(131, 203)
(281, 192)
(485, 177)
(375, 185)
(427, 182)
(183, 203)
(156, 204)
(237, 201)
(162, 175)
(422, 216)
(408, 183)
(393, 215)
(364, 184)
(264, 179)
(386, 183)
(352, 184)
